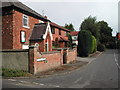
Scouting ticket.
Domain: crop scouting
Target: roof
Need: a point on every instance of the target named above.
(62, 39)
(16, 3)
(58, 26)
(74, 33)
(38, 31)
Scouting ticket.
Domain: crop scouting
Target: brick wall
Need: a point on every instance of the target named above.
(53, 59)
(71, 55)
(7, 33)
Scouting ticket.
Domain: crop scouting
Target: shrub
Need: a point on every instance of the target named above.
(118, 44)
(111, 45)
(94, 45)
(84, 43)
(101, 47)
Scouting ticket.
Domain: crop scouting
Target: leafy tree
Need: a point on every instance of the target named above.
(105, 33)
(69, 26)
(91, 25)
(70, 41)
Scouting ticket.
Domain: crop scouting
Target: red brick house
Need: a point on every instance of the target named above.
(18, 21)
(21, 26)
(59, 34)
(45, 35)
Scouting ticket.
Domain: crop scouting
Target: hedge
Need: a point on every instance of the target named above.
(84, 43)
(94, 45)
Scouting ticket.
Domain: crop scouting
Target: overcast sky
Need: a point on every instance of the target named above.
(75, 11)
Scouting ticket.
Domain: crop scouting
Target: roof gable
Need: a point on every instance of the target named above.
(40, 31)
(20, 6)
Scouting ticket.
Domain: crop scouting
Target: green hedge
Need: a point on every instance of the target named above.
(84, 43)
(94, 45)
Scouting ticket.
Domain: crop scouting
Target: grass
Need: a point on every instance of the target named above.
(13, 73)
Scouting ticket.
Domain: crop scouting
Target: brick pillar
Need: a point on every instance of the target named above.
(31, 59)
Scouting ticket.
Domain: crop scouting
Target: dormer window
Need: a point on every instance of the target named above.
(25, 21)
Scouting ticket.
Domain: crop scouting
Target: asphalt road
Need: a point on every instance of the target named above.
(102, 72)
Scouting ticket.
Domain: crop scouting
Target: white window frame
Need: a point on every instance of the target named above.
(27, 21)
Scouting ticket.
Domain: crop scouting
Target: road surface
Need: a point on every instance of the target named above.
(102, 72)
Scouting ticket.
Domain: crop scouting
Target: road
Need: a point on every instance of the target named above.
(102, 72)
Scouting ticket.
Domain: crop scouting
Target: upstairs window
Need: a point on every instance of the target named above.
(25, 21)
(59, 32)
(66, 33)
(53, 30)
(75, 38)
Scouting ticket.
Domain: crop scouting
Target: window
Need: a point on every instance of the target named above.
(59, 32)
(23, 37)
(75, 38)
(66, 33)
(53, 30)
(25, 21)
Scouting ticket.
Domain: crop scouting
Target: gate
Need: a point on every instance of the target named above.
(64, 57)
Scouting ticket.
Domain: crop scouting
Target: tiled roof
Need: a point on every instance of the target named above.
(74, 33)
(58, 26)
(16, 3)
(38, 31)
(62, 39)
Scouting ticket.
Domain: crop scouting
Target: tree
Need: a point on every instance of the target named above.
(69, 26)
(105, 33)
(91, 25)
(70, 41)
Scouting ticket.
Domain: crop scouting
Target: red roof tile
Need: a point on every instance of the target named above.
(74, 33)
(58, 26)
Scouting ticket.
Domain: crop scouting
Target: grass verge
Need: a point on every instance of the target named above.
(13, 73)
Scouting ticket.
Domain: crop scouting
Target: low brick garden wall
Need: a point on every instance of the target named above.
(43, 61)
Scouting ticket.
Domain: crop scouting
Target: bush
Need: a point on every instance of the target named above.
(111, 45)
(118, 44)
(101, 47)
(94, 45)
(84, 43)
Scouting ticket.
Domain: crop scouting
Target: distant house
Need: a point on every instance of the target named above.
(118, 36)
(74, 35)
(18, 21)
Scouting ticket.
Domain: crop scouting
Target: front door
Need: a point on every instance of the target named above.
(47, 47)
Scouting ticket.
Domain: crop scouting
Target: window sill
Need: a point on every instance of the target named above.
(26, 27)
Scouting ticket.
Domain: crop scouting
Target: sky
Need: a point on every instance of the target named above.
(75, 11)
